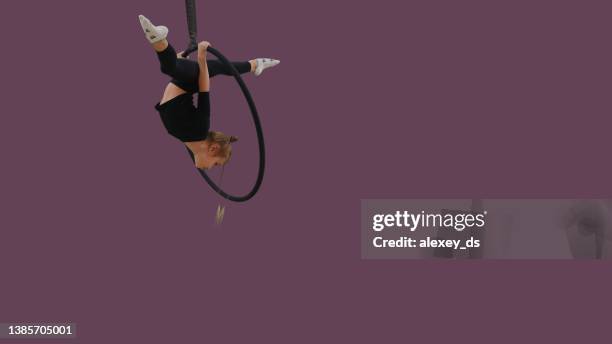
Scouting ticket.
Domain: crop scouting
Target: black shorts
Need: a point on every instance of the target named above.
(183, 120)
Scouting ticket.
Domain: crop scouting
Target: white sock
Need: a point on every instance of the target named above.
(152, 32)
(264, 63)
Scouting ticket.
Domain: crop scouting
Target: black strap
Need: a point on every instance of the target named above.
(192, 26)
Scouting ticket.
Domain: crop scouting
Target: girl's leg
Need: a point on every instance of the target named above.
(184, 73)
(215, 67)
(256, 66)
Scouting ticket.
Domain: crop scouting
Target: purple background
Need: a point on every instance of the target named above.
(105, 223)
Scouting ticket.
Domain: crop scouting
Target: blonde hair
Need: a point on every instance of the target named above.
(224, 141)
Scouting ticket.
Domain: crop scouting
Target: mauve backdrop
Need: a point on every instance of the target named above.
(105, 223)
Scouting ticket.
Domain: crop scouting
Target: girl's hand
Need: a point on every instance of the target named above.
(202, 51)
(203, 46)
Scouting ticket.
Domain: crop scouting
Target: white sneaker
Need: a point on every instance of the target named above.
(152, 32)
(264, 63)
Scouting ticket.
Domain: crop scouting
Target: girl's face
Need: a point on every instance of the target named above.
(212, 161)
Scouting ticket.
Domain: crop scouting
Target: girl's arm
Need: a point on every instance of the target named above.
(204, 81)
(203, 97)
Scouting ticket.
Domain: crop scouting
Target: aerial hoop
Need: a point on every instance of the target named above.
(193, 45)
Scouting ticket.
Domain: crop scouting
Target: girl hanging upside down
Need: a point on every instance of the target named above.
(180, 117)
